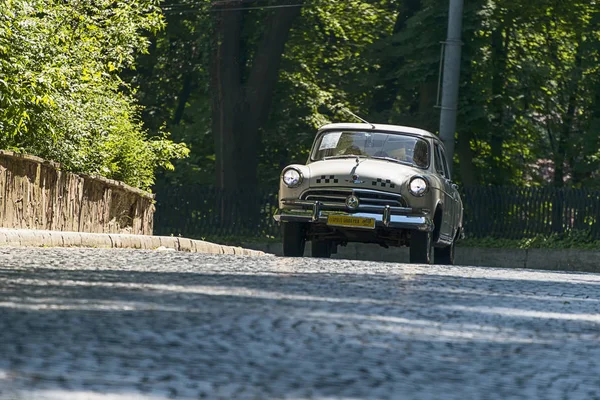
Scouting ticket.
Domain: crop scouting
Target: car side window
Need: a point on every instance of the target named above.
(439, 166)
(445, 163)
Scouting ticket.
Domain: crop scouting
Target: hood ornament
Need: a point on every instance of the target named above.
(355, 180)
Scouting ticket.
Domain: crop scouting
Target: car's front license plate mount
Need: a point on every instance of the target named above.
(351, 222)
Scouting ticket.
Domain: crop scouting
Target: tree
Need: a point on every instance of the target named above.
(410, 57)
(524, 97)
(173, 87)
(61, 97)
(327, 63)
(243, 76)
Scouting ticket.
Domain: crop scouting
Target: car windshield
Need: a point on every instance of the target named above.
(389, 146)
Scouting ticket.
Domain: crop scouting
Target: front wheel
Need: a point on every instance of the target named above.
(421, 247)
(294, 239)
(321, 248)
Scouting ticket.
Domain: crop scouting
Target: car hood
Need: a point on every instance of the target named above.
(368, 173)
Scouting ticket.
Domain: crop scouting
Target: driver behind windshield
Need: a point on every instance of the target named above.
(373, 144)
(397, 150)
(421, 154)
(352, 150)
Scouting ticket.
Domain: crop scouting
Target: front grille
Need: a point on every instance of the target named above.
(366, 197)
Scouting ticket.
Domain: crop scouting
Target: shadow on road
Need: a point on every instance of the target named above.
(279, 332)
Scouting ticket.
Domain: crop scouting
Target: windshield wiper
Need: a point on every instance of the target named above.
(394, 160)
(344, 156)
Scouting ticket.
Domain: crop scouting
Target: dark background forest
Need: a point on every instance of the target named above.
(246, 83)
(204, 102)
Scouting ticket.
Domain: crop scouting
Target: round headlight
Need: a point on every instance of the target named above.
(292, 178)
(418, 186)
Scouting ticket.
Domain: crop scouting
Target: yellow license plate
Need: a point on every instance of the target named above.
(355, 222)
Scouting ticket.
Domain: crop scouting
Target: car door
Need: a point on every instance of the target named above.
(453, 196)
(447, 229)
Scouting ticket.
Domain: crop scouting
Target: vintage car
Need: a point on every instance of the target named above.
(371, 183)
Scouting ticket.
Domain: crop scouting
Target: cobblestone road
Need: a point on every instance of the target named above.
(118, 324)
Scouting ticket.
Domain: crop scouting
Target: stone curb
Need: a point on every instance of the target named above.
(546, 259)
(42, 238)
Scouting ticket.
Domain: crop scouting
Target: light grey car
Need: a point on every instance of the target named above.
(384, 184)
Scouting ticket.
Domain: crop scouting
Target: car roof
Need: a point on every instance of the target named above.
(378, 127)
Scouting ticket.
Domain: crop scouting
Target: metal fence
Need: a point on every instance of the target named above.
(516, 213)
(205, 211)
(501, 212)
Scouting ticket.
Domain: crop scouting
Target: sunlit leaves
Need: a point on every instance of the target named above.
(62, 97)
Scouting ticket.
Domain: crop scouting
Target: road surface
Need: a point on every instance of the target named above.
(124, 324)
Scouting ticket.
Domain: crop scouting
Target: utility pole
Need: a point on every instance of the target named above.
(451, 78)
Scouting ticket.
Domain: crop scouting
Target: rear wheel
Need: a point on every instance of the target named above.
(321, 248)
(421, 247)
(294, 239)
(445, 255)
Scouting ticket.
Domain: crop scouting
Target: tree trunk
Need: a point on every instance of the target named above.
(240, 108)
(387, 87)
(499, 58)
(187, 88)
(259, 90)
(562, 148)
(465, 156)
(427, 118)
(226, 95)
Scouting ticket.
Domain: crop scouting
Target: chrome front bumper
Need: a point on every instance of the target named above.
(386, 217)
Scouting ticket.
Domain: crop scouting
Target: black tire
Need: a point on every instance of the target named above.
(294, 239)
(445, 255)
(321, 248)
(421, 247)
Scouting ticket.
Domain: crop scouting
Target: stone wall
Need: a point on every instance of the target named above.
(37, 194)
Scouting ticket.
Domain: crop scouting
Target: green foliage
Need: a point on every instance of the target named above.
(529, 94)
(530, 73)
(530, 87)
(568, 240)
(324, 66)
(61, 97)
(173, 88)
